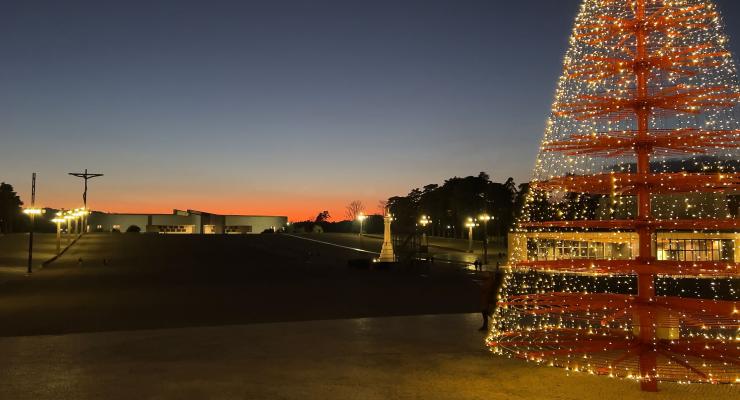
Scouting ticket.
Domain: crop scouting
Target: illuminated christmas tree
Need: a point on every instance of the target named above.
(625, 260)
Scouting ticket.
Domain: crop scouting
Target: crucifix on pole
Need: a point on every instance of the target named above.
(86, 176)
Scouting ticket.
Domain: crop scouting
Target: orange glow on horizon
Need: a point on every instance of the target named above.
(295, 210)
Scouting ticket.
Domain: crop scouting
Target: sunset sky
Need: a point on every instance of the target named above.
(275, 107)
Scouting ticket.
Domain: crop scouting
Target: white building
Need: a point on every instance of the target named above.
(184, 222)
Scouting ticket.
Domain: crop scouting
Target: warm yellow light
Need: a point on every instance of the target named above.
(361, 217)
(33, 211)
(485, 217)
(471, 223)
(58, 220)
(78, 212)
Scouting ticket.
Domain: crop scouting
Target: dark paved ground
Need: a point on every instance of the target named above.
(14, 252)
(443, 249)
(175, 317)
(396, 358)
(130, 281)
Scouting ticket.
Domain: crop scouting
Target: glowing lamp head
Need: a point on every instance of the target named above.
(361, 217)
(79, 212)
(34, 211)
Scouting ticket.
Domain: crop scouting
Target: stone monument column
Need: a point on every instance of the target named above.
(386, 253)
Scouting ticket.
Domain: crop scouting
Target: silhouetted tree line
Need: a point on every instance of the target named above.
(373, 224)
(12, 219)
(10, 209)
(450, 205)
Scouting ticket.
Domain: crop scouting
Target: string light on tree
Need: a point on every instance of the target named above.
(625, 260)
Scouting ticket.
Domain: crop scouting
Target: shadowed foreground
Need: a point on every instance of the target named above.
(422, 357)
(131, 281)
(235, 317)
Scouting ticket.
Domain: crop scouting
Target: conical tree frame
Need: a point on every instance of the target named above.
(651, 83)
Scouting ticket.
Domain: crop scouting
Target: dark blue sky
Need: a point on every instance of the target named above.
(275, 106)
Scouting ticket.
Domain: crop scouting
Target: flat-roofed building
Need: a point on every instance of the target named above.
(184, 222)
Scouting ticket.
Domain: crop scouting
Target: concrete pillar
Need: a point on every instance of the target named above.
(386, 253)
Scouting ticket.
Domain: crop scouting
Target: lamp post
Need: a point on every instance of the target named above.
(485, 218)
(470, 225)
(361, 217)
(73, 219)
(78, 215)
(83, 220)
(424, 221)
(58, 221)
(32, 212)
(68, 217)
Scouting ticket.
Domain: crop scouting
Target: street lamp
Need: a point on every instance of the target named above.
(485, 218)
(73, 219)
(470, 225)
(59, 219)
(361, 217)
(83, 220)
(79, 218)
(424, 221)
(32, 213)
(78, 222)
(68, 217)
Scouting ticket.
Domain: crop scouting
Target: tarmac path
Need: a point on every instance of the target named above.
(140, 281)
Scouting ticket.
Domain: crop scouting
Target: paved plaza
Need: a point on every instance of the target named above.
(129, 281)
(444, 250)
(262, 317)
(419, 357)
(14, 252)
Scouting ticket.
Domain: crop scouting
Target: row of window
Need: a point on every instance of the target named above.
(238, 229)
(667, 249)
(552, 249)
(188, 229)
(696, 249)
(173, 229)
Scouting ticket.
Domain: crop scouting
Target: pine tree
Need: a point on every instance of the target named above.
(10, 207)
